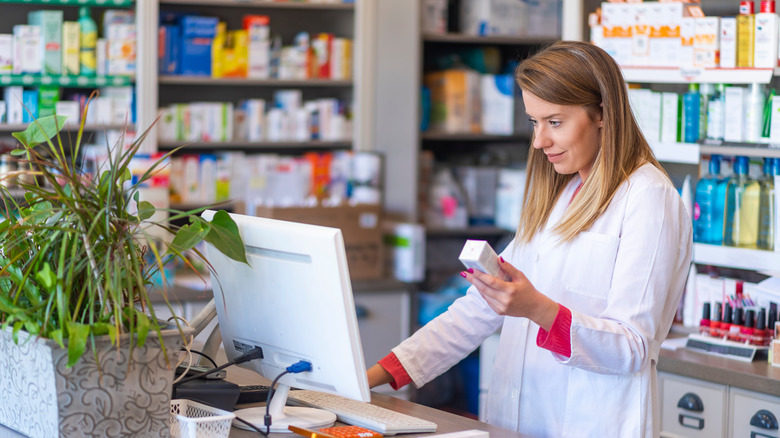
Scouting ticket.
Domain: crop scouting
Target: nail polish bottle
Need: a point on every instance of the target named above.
(737, 319)
(747, 331)
(715, 321)
(761, 336)
(725, 324)
(704, 324)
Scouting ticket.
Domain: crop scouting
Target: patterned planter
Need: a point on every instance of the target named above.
(43, 398)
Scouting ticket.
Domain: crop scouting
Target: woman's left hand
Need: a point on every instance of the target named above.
(514, 296)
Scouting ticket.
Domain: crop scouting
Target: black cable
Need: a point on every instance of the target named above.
(271, 392)
(201, 354)
(255, 353)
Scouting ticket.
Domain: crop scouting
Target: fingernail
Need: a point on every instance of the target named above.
(471, 270)
(501, 259)
(463, 274)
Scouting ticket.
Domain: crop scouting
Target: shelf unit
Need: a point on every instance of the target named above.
(102, 3)
(87, 128)
(27, 80)
(740, 258)
(457, 38)
(661, 75)
(287, 18)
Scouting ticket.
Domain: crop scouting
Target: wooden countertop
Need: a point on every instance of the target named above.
(757, 376)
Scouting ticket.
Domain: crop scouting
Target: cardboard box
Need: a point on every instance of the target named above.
(361, 226)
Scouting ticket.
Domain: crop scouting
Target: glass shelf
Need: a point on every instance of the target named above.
(669, 75)
(740, 258)
(249, 82)
(28, 80)
(263, 4)
(106, 3)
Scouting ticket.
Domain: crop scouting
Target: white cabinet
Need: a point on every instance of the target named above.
(692, 408)
(753, 415)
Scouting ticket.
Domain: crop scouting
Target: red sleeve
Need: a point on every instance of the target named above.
(558, 339)
(392, 365)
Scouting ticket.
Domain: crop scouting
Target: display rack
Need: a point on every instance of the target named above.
(740, 258)
(684, 153)
(662, 75)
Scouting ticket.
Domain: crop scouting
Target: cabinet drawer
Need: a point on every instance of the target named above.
(703, 411)
(753, 415)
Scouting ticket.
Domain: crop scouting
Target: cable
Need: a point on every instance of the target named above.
(295, 368)
(204, 355)
(255, 353)
(186, 348)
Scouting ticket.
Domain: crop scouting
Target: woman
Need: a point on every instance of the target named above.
(591, 283)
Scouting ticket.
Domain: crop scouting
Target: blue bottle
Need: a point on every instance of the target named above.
(691, 103)
(708, 205)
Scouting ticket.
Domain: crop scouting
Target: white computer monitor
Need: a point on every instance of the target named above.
(293, 300)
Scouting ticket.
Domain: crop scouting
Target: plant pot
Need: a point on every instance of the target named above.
(108, 398)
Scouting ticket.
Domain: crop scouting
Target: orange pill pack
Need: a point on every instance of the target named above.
(351, 432)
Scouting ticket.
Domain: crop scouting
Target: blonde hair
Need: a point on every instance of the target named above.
(576, 73)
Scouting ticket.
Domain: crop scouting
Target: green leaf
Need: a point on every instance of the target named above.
(188, 236)
(40, 130)
(143, 327)
(56, 335)
(32, 327)
(145, 210)
(46, 276)
(102, 328)
(77, 341)
(225, 237)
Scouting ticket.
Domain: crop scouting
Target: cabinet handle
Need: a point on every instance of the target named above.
(764, 419)
(691, 422)
(691, 402)
(361, 312)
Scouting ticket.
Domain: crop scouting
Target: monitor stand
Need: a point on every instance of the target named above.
(283, 416)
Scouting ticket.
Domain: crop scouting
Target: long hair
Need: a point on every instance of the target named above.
(576, 73)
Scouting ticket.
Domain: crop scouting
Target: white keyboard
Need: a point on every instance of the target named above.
(384, 421)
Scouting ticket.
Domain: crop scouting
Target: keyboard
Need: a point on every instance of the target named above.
(384, 421)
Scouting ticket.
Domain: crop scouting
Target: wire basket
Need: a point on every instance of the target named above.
(190, 419)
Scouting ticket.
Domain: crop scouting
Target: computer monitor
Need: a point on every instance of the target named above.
(293, 300)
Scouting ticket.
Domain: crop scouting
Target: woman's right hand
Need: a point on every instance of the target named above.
(378, 376)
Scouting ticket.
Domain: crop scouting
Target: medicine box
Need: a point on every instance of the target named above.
(361, 226)
(28, 49)
(493, 17)
(50, 23)
(71, 46)
(728, 42)
(454, 100)
(197, 35)
(498, 104)
(121, 50)
(170, 44)
(6, 54)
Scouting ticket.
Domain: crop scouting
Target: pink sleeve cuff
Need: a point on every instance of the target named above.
(392, 365)
(558, 339)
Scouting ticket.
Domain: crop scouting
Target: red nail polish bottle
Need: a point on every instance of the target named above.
(736, 325)
(747, 331)
(725, 324)
(715, 321)
(704, 324)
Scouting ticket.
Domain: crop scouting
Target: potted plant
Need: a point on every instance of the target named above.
(81, 350)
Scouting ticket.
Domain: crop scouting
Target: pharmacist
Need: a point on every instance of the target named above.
(590, 284)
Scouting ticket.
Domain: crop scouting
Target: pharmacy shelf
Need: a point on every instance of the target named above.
(684, 153)
(740, 258)
(106, 3)
(248, 82)
(89, 128)
(661, 75)
(475, 231)
(28, 80)
(467, 136)
(743, 149)
(257, 146)
(457, 38)
(263, 4)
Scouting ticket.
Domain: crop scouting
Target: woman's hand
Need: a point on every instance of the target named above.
(515, 296)
(378, 376)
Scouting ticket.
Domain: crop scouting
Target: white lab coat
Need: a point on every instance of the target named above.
(622, 280)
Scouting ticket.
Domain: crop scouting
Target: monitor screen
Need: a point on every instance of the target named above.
(293, 300)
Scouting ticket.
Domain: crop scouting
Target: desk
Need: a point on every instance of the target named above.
(445, 421)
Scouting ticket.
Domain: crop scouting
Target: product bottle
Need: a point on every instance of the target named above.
(716, 109)
(704, 324)
(740, 226)
(737, 325)
(691, 102)
(761, 334)
(725, 323)
(766, 36)
(706, 92)
(766, 220)
(715, 321)
(748, 329)
(746, 30)
(708, 206)
(88, 42)
(755, 101)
